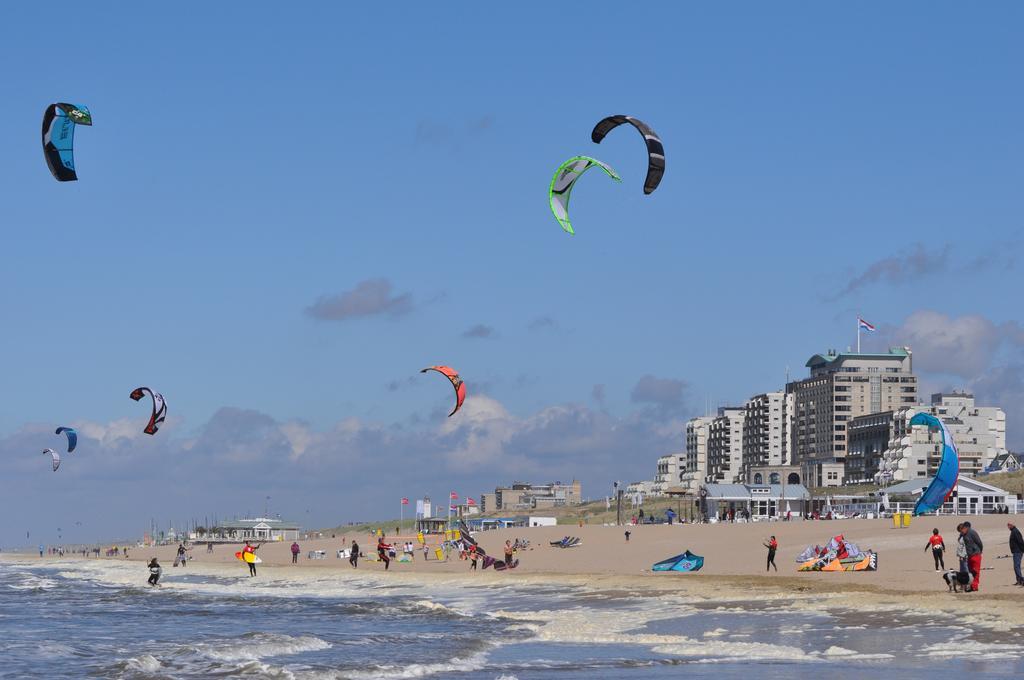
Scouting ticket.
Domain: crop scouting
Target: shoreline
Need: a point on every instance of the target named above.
(734, 560)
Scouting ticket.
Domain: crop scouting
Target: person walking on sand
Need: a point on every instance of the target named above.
(974, 548)
(938, 546)
(627, 536)
(508, 553)
(1016, 550)
(772, 546)
(154, 572)
(295, 552)
(353, 555)
(382, 553)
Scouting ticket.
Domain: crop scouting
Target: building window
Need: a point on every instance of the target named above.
(758, 478)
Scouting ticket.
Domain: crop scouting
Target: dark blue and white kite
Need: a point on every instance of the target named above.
(59, 123)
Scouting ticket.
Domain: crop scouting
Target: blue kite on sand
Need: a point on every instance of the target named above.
(685, 562)
(949, 467)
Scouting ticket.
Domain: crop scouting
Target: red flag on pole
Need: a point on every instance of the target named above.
(405, 501)
(470, 501)
(455, 496)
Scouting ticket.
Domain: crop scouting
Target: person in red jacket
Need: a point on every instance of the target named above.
(938, 547)
(295, 552)
(382, 552)
(772, 546)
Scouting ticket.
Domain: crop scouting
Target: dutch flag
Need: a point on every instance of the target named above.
(864, 325)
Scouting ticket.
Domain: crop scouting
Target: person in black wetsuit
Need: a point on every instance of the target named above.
(772, 546)
(353, 557)
(154, 572)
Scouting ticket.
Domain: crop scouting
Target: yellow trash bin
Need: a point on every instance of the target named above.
(440, 554)
(906, 519)
(897, 520)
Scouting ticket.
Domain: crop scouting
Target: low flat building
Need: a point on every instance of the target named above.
(972, 497)
(762, 501)
(526, 496)
(259, 529)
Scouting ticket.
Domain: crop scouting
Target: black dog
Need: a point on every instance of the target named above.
(956, 580)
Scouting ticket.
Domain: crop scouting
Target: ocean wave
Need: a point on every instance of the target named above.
(29, 581)
(146, 663)
(256, 646)
(421, 670)
(973, 649)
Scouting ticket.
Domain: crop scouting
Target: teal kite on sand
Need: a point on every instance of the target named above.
(685, 562)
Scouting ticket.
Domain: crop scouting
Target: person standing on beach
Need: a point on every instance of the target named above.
(382, 553)
(508, 553)
(974, 548)
(353, 555)
(627, 536)
(295, 552)
(938, 546)
(961, 550)
(772, 546)
(250, 549)
(1016, 550)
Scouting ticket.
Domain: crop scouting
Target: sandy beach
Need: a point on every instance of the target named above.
(733, 553)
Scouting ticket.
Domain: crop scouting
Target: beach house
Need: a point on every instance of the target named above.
(258, 529)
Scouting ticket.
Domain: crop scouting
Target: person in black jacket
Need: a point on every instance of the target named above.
(1016, 550)
(974, 547)
(155, 570)
(353, 555)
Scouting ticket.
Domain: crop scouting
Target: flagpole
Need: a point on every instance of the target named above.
(401, 513)
(858, 334)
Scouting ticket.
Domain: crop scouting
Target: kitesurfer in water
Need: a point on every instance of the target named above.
(154, 572)
(937, 545)
(772, 546)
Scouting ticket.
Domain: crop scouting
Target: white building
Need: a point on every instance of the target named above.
(725, 445)
(765, 424)
(259, 529)
(842, 386)
(914, 452)
(697, 432)
(972, 496)
(670, 470)
(644, 489)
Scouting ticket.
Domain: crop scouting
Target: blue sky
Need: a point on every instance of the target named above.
(248, 162)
